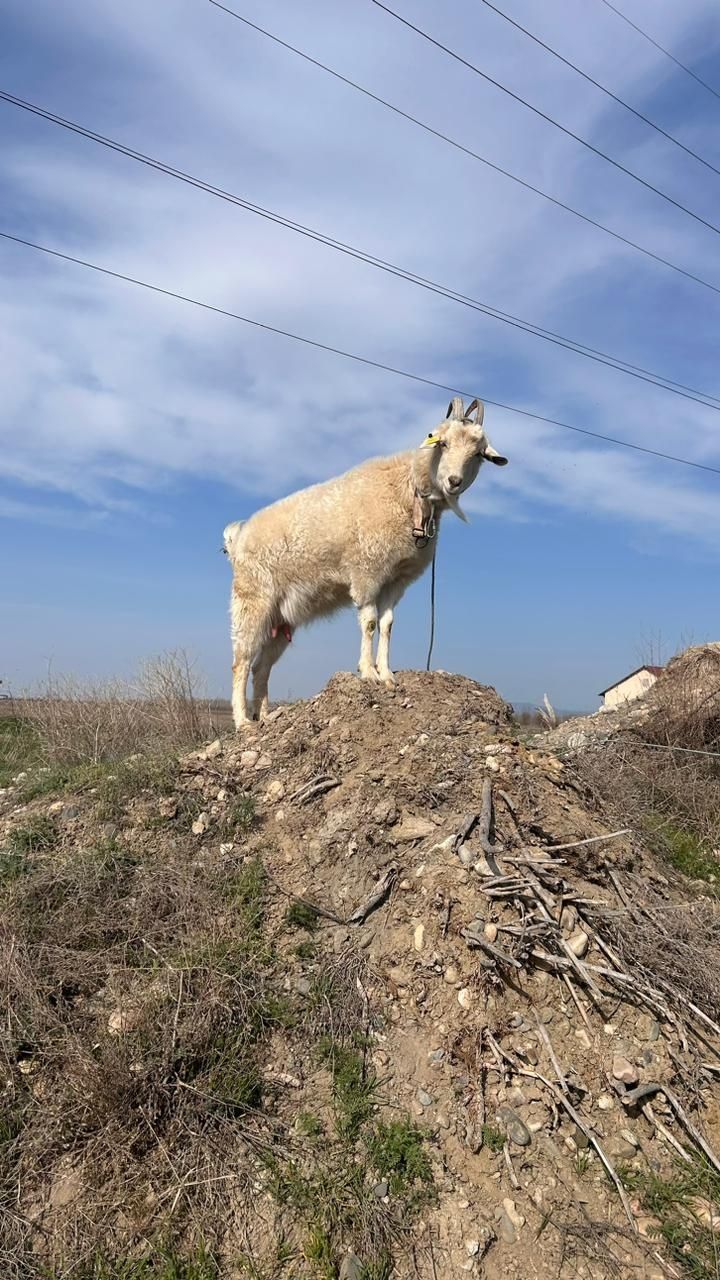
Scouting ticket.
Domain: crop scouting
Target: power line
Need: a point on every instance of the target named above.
(667, 52)
(468, 151)
(711, 226)
(349, 355)
(570, 344)
(603, 88)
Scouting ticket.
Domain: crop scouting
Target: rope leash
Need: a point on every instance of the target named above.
(667, 746)
(432, 609)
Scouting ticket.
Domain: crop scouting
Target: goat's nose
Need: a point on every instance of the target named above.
(454, 482)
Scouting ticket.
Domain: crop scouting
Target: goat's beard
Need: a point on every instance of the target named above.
(455, 507)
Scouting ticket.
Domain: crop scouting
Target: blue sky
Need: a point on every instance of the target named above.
(133, 428)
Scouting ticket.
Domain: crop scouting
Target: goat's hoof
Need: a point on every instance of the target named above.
(387, 678)
(369, 673)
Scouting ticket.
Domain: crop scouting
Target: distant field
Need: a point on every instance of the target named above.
(219, 712)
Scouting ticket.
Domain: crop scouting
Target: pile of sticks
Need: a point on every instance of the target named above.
(532, 880)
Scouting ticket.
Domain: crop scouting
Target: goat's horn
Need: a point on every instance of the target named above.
(455, 408)
(478, 408)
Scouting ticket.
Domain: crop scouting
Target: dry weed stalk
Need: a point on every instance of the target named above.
(77, 722)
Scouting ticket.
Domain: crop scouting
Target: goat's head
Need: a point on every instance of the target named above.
(460, 446)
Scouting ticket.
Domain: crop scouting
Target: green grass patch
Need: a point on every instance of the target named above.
(308, 1125)
(331, 1185)
(335, 1202)
(273, 1269)
(333, 1196)
(37, 835)
(354, 1088)
(240, 816)
(300, 915)
(162, 1265)
(13, 865)
(682, 1202)
(113, 783)
(235, 1080)
(319, 1251)
(57, 779)
(123, 781)
(682, 849)
(493, 1138)
(19, 748)
(246, 891)
(397, 1151)
(74, 899)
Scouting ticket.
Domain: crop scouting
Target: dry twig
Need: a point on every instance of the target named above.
(316, 787)
(589, 1134)
(551, 1053)
(510, 1168)
(575, 844)
(382, 889)
(634, 1096)
(475, 938)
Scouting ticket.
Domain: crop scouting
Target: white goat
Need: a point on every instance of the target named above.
(359, 539)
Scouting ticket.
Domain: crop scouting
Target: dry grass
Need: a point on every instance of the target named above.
(142, 1000)
(149, 1021)
(76, 723)
(664, 777)
(671, 798)
(685, 701)
(673, 946)
(584, 1240)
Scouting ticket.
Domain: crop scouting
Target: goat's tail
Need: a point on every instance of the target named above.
(230, 536)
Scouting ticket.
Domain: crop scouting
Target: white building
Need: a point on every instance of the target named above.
(630, 687)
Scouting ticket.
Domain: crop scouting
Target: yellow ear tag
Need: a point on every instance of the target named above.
(430, 440)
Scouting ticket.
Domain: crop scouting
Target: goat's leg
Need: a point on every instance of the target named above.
(242, 658)
(367, 617)
(386, 605)
(271, 651)
(249, 628)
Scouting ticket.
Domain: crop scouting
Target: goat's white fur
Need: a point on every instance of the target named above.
(347, 541)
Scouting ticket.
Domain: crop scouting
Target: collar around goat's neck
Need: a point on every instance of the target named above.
(424, 518)
(426, 502)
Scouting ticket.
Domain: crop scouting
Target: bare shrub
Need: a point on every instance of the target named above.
(84, 723)
(674, 946)
(167, 686)
(663, 778)
(685, 701)
(671, 798)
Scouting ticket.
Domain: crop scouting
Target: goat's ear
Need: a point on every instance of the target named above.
(492, 455)
(478, 408)
(455, 408)
(433, 438)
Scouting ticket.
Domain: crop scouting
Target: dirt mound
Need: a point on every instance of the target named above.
(579, 733)
(379, 990)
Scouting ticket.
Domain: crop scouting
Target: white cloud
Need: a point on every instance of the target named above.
(110, 389)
